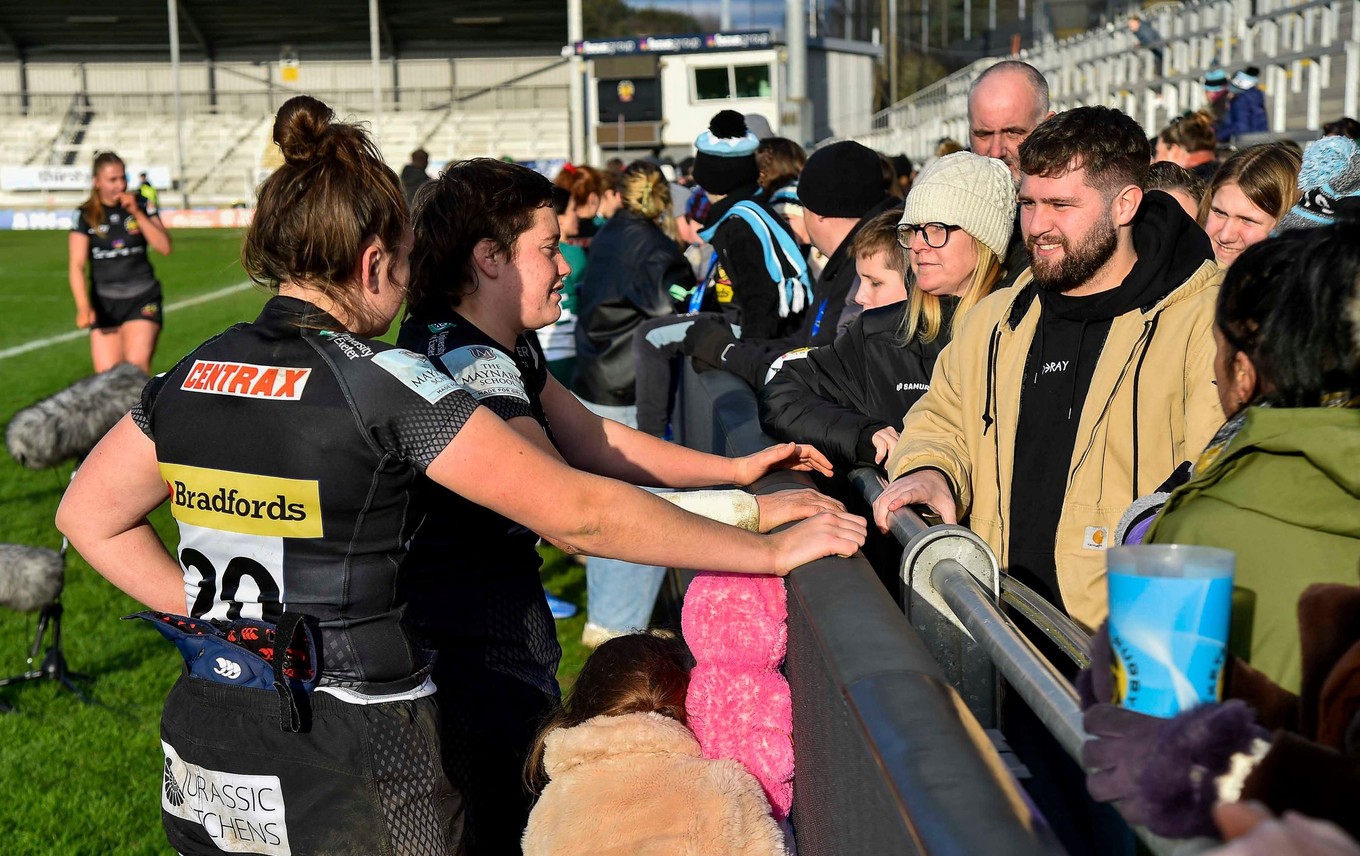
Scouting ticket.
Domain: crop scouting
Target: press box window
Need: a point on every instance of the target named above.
(729, 81)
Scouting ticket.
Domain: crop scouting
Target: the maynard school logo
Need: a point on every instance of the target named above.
(244, 503)
(246, 380)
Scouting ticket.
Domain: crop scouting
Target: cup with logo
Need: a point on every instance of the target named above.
(1170, 606)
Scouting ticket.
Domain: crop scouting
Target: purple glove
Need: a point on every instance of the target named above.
(1121, 739)
(1176, 787)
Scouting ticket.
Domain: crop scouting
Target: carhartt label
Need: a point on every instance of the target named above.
(240, 813)
(245, 503)
(1097, 538)
(485, 372)
(246, 380)
(417, 372)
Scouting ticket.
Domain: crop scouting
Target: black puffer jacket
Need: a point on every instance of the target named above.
(837, 396)
(632, 266)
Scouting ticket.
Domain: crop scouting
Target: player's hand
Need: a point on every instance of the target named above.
(84, 317)
(785, 456)
(785, 506)
(885, 440)
(924, 487)
(831, 533)
(128, 202)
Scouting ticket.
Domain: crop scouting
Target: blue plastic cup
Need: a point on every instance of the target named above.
(1169, 611)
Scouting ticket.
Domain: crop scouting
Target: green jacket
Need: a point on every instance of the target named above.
(1284, 494)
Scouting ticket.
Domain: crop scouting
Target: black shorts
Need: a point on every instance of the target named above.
(361, 779)
(111, 313)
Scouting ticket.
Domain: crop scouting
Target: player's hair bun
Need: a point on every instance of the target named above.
(302, 124)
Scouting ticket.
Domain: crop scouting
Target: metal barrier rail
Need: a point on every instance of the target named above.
(960, 584)
(889, 759)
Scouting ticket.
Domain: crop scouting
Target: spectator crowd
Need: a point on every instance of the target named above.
(1071, 333)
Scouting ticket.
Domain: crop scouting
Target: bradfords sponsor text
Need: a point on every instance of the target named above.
(246, 380)
(242, 502)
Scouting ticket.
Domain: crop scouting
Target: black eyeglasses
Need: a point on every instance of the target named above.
(936, 234)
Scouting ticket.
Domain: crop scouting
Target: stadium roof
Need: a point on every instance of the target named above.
(227, 29)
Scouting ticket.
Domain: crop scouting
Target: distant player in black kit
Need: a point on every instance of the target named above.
(121, 303)
(289, 450)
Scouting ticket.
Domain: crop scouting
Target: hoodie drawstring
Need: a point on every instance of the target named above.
(1150, 330)
(988, 420)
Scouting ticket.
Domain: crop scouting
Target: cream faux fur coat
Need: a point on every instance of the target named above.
(638, 784)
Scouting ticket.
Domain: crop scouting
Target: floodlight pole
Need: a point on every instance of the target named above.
(374, 51)
(576, 82)
(179, 107)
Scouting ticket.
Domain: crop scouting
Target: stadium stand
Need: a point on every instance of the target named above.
(1308, 52)
(469, 85)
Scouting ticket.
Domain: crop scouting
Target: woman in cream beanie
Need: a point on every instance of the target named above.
(955, 228)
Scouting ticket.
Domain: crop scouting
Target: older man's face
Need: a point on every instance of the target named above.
(1002, 112)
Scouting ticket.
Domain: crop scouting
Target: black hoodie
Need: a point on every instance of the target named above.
(1058, 370)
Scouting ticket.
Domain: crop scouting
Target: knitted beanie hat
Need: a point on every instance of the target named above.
(1216, 80)
(1246, 78)
(1319, 203)
(843, 179)
(967, 190)
(726, 157)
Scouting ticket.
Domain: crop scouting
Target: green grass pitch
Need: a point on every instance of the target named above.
(78, 779)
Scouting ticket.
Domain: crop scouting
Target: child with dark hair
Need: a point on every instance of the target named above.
(1181, 184)
(621, 772)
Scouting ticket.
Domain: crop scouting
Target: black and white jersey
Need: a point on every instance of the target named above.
(119, 266)
(291, 454)
(474, 573)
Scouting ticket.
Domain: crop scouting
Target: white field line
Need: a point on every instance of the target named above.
(37, 344)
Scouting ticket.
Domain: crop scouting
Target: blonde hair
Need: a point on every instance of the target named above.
(925, 313)
(92, 209)
(1268, 175)
(645, 191)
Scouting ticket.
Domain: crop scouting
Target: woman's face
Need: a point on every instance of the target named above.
(943, 271)
(1235, 223)
(1168, 152)
(569, 222)
(879, 283)
(529, 290)
(109, 181)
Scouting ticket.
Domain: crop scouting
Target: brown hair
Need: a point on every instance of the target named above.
(779, 161)
(1268, 175)
(471, 201)
(315, 213)
(644, 190)
(581, 181)
(1194, 133)
(637, 673)
(92, 210)
(879, 235)
(1106, 143)
(1165, 175)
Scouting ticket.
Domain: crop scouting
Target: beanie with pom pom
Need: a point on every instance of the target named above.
(726, 155)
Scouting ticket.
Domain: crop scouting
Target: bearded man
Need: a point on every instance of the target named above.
(1063, 399)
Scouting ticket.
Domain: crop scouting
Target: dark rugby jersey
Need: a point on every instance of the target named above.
(119, 266)
(474, 573)
(291, 455)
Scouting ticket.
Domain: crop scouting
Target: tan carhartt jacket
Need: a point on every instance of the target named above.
(1152, 404)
